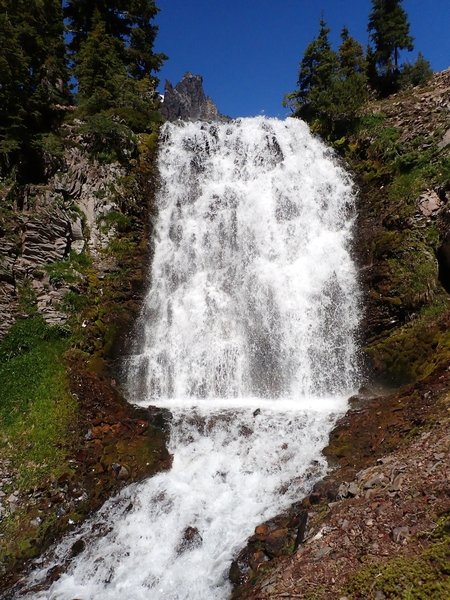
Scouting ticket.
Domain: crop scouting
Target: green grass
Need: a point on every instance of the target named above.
(68, 270)
(36, 409)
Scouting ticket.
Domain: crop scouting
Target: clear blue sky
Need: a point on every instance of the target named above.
(248, 50)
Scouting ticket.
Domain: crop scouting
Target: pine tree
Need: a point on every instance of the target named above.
(317, 69)
(416, 73)
(351, 55)
(142, 34)
(332, 86)
(99, 69)
(389, 32)
(112, 104)
(348, 88)
(34, 76)
(13, 77)
(128, 21)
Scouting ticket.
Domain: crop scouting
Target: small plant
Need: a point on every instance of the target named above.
(115, 219)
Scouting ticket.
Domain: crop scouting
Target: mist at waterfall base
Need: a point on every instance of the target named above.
(247, 335)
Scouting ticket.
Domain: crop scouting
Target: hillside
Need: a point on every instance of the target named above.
(73, 256)
(377, 526)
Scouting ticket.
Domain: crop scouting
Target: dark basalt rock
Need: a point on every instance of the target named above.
(187, 101)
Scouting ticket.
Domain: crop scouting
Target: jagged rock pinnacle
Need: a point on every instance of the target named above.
(187, 101)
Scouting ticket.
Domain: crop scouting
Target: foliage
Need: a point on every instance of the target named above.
(62, 272)
(318, 64)
(99, 70)
(416, 73)
(109, 139)
(421, 577)
(120, 221)
(129, 22)
(331, 86)
(36, 414)
(389, 32)
(33, 79)
(113, 104)
(112, 64)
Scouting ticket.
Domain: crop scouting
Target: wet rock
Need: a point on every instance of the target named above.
(54, 573)
(123, 474)
(275, 542)
(159, 417)
(238, 571)
(191, 539)
(300, 537)
(257, 559)
(314, 498)
(245, 431)
(262, 530)
(77, 548)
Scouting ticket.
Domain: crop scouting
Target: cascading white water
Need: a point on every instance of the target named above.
(253, 304)
(253, 289)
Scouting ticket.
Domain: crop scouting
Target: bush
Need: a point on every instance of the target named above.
(416, 73)
(109, 139)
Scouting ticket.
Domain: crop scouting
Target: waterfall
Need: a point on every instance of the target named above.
(253, 290)
(247, 335)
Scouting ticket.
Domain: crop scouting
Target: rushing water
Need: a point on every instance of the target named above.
(247, 336)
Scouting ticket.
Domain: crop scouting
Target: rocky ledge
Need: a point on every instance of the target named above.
(376, 525)
(119, 444)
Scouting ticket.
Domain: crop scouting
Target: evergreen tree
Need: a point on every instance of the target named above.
(416, 73)
(13, 77)
(389, 31)
(112, 104)
(99, 69)
(34, 76)
(128, 21)
(317, 69)
(348, 89)
(332, 86)
(142, 34)
(351, 56)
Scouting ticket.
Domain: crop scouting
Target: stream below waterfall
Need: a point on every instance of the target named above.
(247, 336)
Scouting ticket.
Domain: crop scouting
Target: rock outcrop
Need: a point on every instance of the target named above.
(187, 101)
(45, 224)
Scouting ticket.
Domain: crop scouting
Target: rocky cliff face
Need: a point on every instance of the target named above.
(41, 225)
(187, 101)
(401, 158)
